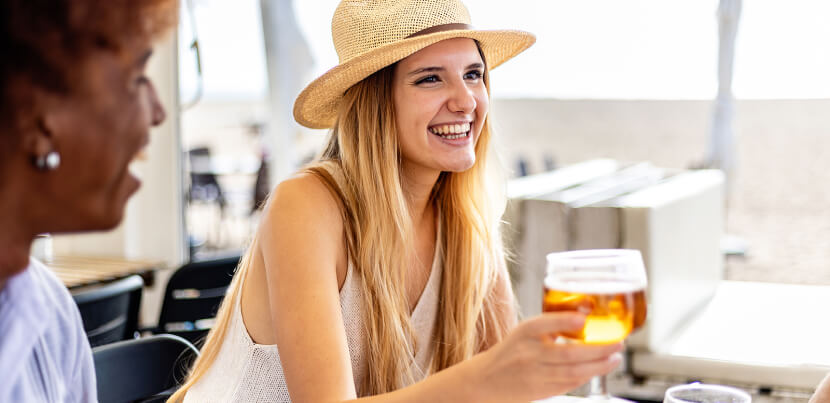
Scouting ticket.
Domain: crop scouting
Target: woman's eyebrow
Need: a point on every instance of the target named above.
(425, 70)
(432, 69)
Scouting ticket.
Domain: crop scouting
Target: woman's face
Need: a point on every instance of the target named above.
(441, 102)
(98, 130)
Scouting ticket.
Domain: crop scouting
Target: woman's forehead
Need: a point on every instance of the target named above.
(454, 50)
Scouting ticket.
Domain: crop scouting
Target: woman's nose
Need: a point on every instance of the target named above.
(157, 112)
(462, 99)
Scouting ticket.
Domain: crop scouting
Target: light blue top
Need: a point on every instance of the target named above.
(44, 352)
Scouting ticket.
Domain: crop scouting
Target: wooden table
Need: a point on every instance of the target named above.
(81, 271)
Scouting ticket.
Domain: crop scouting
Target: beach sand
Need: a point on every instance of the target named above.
(779, 196)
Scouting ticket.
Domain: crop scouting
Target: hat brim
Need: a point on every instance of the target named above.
(316, 106)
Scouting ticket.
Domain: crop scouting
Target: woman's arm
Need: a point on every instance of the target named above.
(301, 239)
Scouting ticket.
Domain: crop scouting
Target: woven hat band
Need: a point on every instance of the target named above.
(440, 28)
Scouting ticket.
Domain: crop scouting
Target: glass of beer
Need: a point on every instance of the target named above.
(609, 287)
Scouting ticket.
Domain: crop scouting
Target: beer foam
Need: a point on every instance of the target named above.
(594, 283)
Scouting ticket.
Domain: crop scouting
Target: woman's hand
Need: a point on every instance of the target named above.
(528, 364)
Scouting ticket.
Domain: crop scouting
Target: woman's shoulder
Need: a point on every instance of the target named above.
(317, 186)
(303, 206)
(304, 192)
(302, 225)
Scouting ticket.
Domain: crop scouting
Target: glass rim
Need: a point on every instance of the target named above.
(708, 386)
(598, 256)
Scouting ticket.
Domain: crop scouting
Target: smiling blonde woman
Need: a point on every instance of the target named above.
(378, 271)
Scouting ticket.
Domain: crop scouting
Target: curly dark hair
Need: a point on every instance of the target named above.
(42, 40)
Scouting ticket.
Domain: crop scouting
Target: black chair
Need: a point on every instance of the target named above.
(192, 297)
(110, 312)
(204, 185)
(149, 369)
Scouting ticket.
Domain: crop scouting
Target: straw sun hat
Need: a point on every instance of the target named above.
(372, 34)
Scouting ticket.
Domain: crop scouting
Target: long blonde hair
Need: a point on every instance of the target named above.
(378, 233)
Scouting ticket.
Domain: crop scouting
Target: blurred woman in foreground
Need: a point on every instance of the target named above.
(75, 110)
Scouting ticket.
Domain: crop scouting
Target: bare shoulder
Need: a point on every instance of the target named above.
(303, 196)
(302, 220)
(304, 188)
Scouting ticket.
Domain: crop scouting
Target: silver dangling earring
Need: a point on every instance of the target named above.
(48, 162)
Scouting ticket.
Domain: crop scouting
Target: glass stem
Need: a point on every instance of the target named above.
(599, 387)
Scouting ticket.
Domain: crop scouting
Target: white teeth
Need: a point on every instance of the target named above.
(138, 159)
(454, 131)
(134, 169)
(455, 136)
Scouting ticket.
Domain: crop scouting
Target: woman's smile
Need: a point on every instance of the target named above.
(455, 134)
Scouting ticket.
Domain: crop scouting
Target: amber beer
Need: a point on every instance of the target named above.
(614, 308)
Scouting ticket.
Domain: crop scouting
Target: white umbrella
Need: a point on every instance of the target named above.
(721, 151)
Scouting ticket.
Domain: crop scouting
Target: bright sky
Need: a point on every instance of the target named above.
(586, 49)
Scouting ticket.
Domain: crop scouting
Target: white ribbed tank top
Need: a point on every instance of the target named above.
(245, 371)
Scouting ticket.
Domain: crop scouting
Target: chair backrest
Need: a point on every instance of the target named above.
(148, 369)
(204, 184)
(110, 312)
(193, 295)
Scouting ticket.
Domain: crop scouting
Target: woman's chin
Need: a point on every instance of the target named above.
(108, 218)
(113, 213)
(460, 165)
(112, 221)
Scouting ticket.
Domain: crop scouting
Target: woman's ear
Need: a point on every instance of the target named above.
(43, 138)
(37, 138)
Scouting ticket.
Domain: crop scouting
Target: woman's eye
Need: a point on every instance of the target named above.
(428, 80)
(473, 75)
(142, 80)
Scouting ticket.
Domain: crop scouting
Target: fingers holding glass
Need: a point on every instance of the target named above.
(608, 286)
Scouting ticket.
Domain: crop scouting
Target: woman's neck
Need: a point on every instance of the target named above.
(14, 251)
(418, 184)
(15, 239)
